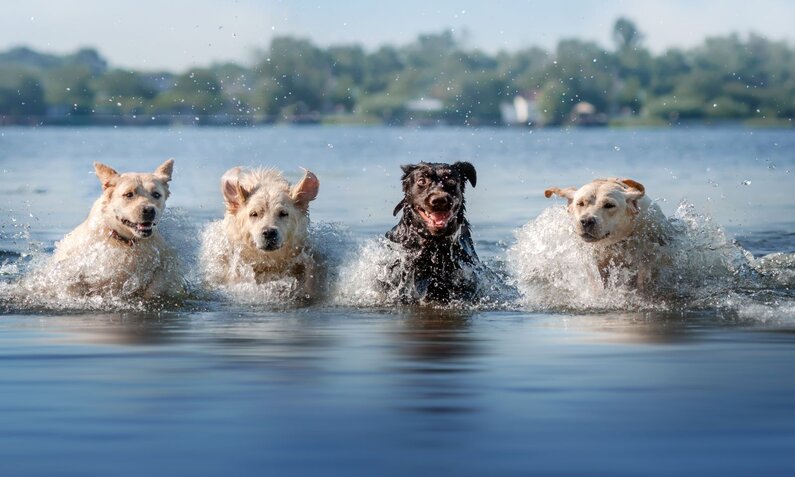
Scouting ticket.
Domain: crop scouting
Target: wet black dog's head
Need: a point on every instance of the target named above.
(434, 195)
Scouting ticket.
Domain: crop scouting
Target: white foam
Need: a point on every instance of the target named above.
(103, 277)
(552, 268)
(555, 270)
(326, 243)
(364, 276)
(363, 272)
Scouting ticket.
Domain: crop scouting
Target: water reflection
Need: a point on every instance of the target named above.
(651, 328)
(437, 335)
(437, 360)
(128, 329)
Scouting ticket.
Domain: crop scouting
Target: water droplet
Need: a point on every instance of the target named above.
(617, 148)
(746, 182)
(330, 146)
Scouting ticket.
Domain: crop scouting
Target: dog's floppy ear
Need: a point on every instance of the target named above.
(639, 189)
(106, 174)
(234, 194)
(468, 171)
(407, 169)
(399, 206)
(567, 193)
(164, 170)
(635, 192)
(306, 190)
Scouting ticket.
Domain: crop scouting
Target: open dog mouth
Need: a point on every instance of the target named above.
(436, 221)
(142, 228)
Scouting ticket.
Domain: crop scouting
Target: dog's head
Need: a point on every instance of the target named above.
(433, 195)
(267, 212)
(604, 210)
(134, 202)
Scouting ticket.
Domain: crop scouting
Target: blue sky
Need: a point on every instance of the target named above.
(177, 34)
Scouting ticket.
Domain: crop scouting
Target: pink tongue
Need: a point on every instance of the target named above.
(439, 218)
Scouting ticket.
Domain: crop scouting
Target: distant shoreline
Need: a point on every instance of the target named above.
(335, 121)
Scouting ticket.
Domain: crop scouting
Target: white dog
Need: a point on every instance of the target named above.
(264, 231)
(625, 228)
(118, 250)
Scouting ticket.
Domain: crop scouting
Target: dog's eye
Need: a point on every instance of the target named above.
(422, 181)
(609, 205)
(128, 195)
(580, 204)
(283, 213)
(253, 214)
(156, 195)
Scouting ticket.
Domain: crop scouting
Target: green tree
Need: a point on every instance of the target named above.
(581, 71)
(69, 89)
(21, 93)
(382, 67)
(479, 100)
(295, 74)
(195, 92)
(626, 35)
(123, 92)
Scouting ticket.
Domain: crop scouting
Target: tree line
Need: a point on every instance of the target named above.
(724, 78)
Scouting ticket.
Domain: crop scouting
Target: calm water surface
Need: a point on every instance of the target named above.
(218, 388)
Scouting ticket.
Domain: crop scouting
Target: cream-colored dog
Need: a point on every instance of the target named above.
(118, 249)
(625, 228)
(264, 231)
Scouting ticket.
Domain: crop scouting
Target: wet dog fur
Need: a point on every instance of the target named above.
(265, 227)
(125, 219)
(624, 227)
(440, 259)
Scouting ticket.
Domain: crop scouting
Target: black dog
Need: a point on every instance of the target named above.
(440, 263)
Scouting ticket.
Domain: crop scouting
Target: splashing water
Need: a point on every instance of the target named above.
(555, 270)
(326, 244)
(365, 274)
(103, 277)
(361, 277)
(548, 268)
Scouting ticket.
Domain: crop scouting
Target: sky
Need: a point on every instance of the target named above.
(178, 34)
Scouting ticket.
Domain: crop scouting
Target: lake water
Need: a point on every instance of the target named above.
(550, 383)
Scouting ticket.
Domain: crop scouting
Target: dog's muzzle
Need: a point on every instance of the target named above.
(589, 231)
(142, 229)
(270, 239)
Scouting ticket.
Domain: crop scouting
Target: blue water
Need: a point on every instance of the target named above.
(219, 388)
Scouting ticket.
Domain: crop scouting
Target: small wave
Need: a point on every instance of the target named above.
(777, 267)
(9, 263)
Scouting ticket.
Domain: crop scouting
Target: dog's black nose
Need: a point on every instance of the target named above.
(440, 201)
(588, 222)
(270, 239)
(270, 234)
(148, 213)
